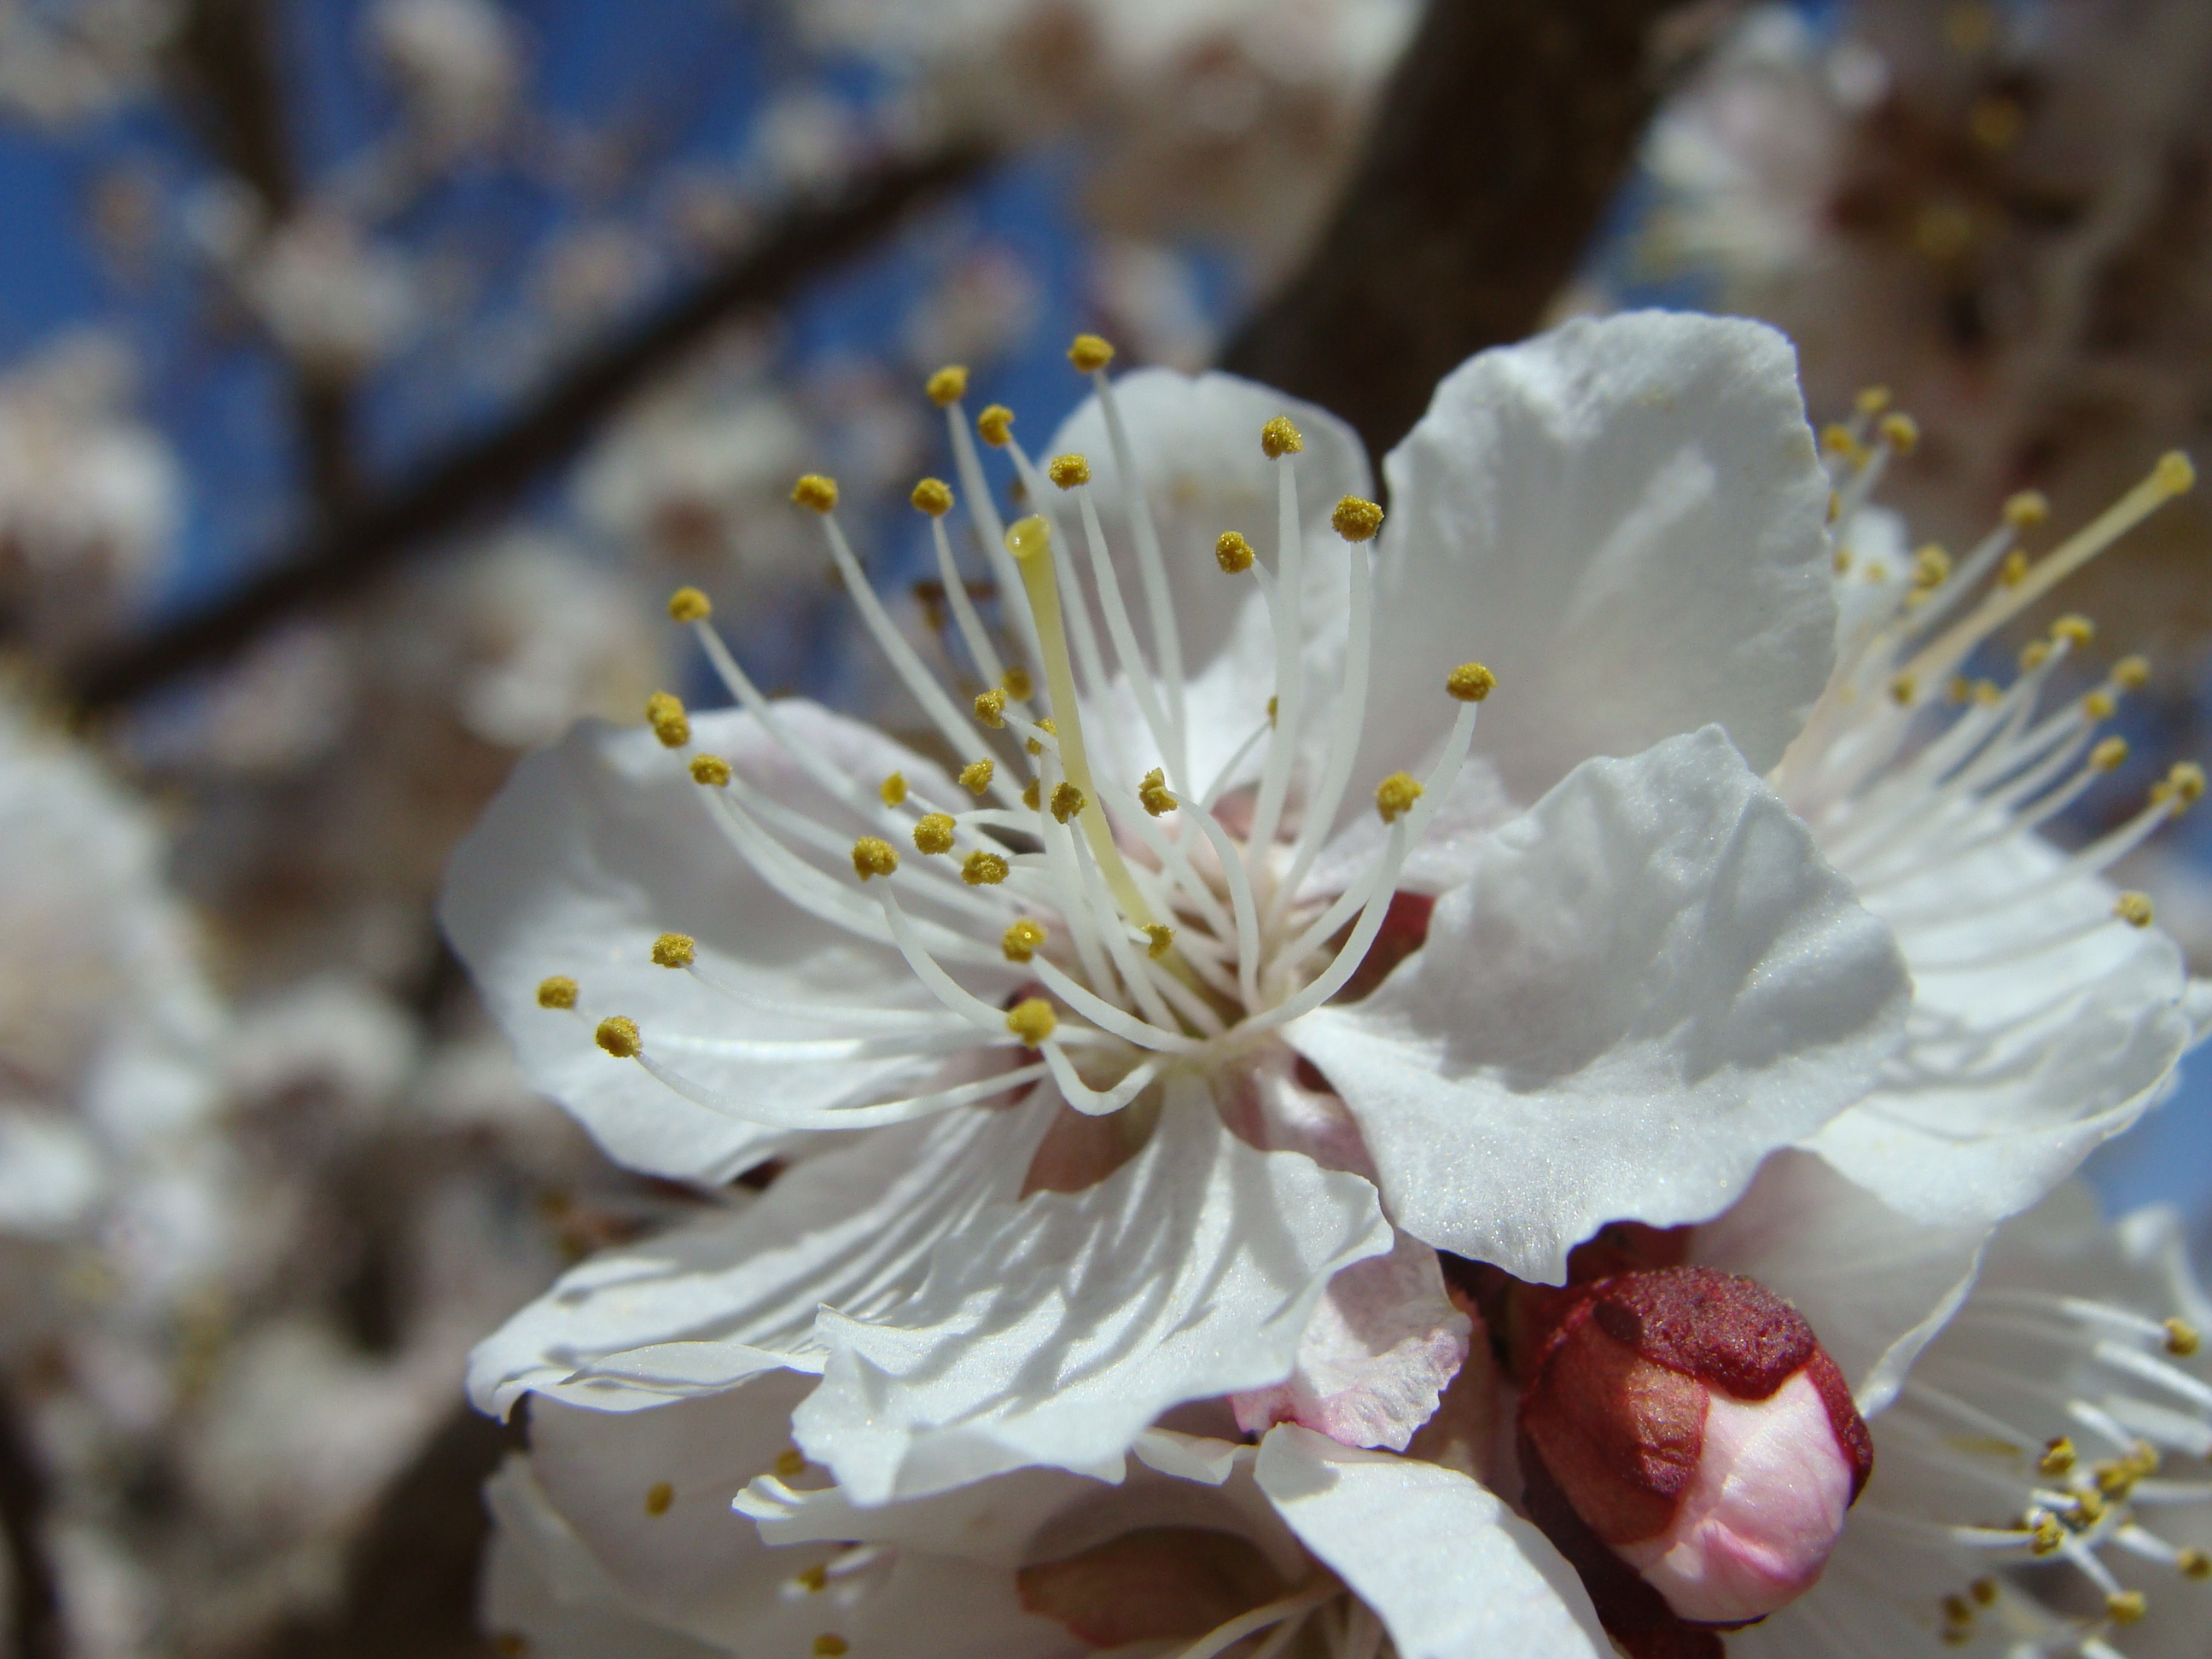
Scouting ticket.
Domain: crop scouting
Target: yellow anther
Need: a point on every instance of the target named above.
(674, 950)
(995, 426)
(1028, 538)
(1356, 520)
(975, 777)
(1067, 801)
(2033, 655)
(1162, 937)
(689, 605)
(2134, 908)
(1902, 689)
(1273, 703)
(2194, 1563)
(1931, 567)
(1838, 439)
(711, 771)
(1090, 353)
(873, 856)
(2176, 473)
(1843, 561)
(949, 384)
(2144, 1459)
(658, 1497)
(1877, 573)
(933, 496)
(1016, 683)
(1960, 689)
(2182, 1339)
(664, 713)
(1987, 692)
(815, 491)
(1069, 471)
(2185, 782)
(934, 833)
(983, 869)
(1395, 795)
(2116, 1479)
(2049, 1537)
(557, 992)
(1470, 683)
(790, 1463)
(2109, 755)
(1280, 438)
(1835, 506)
(1032, 1020)
(1956, 1610)
(2126, 1606)
(1153, 793)
(2131, 673)
(2101, 705)
(618, 1034)
(1984, 1590)
(2089, 1507)
(814, 1579)
(1022, 940)
(2027, 509)
(2013, 571)
(1030, 797)
(1032, 745)
(991, 707)
(2073, 628)
(1873, 400)
(1232, 552)
(1901, 432)
(2058, 1457)
(892, 789)
(1995, 122)
(831, 1646)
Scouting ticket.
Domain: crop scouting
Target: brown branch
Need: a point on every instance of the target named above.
(35, 1625)
(1502, 137)
(488, 472)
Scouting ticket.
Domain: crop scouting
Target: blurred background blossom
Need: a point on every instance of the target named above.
(371, 369)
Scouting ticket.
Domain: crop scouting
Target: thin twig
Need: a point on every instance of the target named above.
(35, 1625)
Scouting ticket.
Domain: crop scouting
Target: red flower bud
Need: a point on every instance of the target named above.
(1691, 1448)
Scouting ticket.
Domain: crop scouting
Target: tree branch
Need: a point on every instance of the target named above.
(35, 1625)
(485, 472)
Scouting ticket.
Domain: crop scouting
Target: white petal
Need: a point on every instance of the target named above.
(1625, 520)
(1452, 1571)
(1055, 1330)
(701, 1308)
(1652, 982)
(598, 845)
(1875, 1286)
(1382, 1346)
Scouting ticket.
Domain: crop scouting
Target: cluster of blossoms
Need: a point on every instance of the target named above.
(1263, 1133)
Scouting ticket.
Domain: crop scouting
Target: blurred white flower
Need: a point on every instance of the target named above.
(336, 300)
(458, 64)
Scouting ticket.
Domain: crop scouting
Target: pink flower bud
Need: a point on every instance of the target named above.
(1691, 1448)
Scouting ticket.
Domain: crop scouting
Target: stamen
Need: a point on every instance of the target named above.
(1022, 939)
(1159, 607)
(1232, 553)
(663, 713)
(1280, 440)
(983, 869)
(975, 777)
(933, 834)
(873, 856)
(618, 1034)
(674, 950)
(710, 771)
(1032, 1020)
(689, 605)
(558, 991)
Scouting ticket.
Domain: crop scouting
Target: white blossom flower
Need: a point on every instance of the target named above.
(1121, 1146)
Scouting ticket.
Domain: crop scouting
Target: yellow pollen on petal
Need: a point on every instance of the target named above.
(831, 1646)
(689, 605)
(948, 386)
(1067, 801)
(2194, 1563)
(664, 713)
(557, 992)
(2109, 755)
(933, 496)
(1280, 438)
(815, 491)
(2074, 629)
(2101, 705)
(1931, 567)
(618, 1034)
(2182, 1339)
(711, 771)
(658, 1497)
(892, 789)
(873, 856)
(1470, 683)
(2027, 509)
(1069, 471)
(2058, 1457)
(991, 707)
(1232, 553)
(1901, 432)
(1163, 939)
(1153, 793)
(1032, 1020)
(1016, 683)
(674, 950)
(983, 869)
(2013, 571)
(1395, 795)
(2126, 1606)
(975, 777)
(934, 833)
(1021, 939)
(2131, 673)
(1090, 352)
(1872, 400)
(995, 426)
(1030, 796)
(1356, 520)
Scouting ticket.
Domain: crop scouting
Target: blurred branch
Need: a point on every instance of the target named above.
(1499, 143)
(484, 472)
(35, 1626)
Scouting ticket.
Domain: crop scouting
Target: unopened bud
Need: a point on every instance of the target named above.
(1690, 1446)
